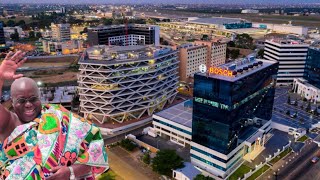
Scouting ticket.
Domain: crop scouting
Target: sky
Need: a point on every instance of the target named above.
(164, 1)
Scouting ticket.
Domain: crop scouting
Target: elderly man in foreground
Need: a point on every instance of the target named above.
(44, 141)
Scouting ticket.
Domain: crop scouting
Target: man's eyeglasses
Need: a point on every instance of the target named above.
(32, 99)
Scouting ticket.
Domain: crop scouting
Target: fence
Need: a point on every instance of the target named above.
(268, 159)
(142, 144)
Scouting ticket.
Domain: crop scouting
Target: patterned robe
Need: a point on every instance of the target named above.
(56, 138)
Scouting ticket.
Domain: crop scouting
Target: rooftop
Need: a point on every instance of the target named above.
(234, 71)
(180, 113)
(120, 26)
(285, 41)
(116, 54)
(189, 170)
(217, 20)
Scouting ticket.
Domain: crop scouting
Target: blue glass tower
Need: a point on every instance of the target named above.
(230, 105)
(312, 68)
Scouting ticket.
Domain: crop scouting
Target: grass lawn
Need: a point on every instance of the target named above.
(259, 172)
(109, 175)
(280, 156)
(243, 169)
(303, 138)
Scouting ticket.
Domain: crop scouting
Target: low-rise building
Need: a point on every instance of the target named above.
(175, 122)
(61, 47)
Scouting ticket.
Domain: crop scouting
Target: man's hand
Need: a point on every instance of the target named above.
(60, 172)
(10, 64)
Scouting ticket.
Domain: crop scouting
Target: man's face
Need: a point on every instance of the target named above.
(26, 104)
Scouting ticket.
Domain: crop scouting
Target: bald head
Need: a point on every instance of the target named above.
(24, 84)
(26, 99)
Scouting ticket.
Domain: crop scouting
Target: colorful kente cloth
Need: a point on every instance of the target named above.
(56, 138)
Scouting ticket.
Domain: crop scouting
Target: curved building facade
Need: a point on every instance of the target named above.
(123, 83)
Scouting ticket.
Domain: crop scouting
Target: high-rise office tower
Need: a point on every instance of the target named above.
(124, 35)
(309, 86)
(312, 68)
(232, 107)
(290, 54)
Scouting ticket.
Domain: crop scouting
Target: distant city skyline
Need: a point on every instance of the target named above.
(163, 1)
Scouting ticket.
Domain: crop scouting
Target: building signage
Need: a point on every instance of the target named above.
(220, 71)
(215, 70)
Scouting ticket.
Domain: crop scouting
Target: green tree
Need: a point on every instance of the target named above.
(21, 23)
(118, 21)
(202, 177)
(234, 53)
(11, 23)
(31, 34)
(107, 176)
(231, 44)
(106, 21)
(127, 144)
(146, 158)
(244, 41)
(205, 37)
(165, 161)
(15, 36)
(260, 53)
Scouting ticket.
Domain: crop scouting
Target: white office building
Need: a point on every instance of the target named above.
(249, 11)
(175, 122)
(305, 89)
(118, 83)
(291, 56)
(60, 32)
(127, 40)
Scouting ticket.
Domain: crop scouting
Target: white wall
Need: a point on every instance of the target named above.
(284, 28)
(280, 127)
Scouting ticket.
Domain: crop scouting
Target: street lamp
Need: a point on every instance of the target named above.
(39, 83)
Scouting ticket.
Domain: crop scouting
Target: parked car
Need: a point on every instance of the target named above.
(315, 159)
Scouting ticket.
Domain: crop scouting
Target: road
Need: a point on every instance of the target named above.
(295, 166)
(300, 165)
(312, 172)
(167, 38)
(121, 136)
(126, 166)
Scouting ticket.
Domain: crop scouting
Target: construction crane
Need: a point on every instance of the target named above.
(125, 21)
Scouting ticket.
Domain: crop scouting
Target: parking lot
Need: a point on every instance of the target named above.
(161, 143)
(281, 107)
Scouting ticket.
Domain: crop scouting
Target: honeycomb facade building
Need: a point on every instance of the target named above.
(118, 83)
